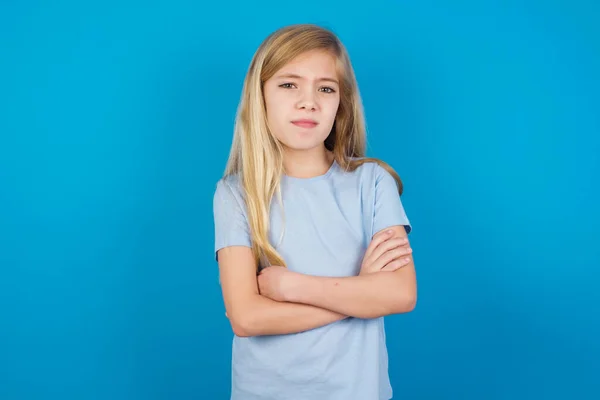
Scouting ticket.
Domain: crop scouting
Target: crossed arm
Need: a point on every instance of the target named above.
(306, 302)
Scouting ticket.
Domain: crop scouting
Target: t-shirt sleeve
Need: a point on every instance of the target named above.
(231, 223)
(388, 210)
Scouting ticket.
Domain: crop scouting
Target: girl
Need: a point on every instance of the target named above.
(310, 235)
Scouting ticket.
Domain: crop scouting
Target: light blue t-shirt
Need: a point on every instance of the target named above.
(329, 222)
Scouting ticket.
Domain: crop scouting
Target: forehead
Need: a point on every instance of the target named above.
(316, 63)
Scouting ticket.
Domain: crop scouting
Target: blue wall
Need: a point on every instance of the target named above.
(116, 119)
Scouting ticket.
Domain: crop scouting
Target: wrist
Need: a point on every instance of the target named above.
(295, 287)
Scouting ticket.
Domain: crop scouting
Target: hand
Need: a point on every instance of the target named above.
(274, 282)
(386, 253)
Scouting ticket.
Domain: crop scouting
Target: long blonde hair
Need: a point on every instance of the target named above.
(256, 156)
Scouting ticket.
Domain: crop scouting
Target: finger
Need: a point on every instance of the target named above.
(377, 240)
(387, 246)
(392, 255)
(396, 264)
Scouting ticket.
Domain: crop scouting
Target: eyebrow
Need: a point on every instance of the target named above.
(294, 76)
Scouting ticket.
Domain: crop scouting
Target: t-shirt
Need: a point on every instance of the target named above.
(329, 222)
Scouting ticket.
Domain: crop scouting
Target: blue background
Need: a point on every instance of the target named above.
(116, 120)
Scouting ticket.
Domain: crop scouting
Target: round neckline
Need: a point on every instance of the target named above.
(313, 178)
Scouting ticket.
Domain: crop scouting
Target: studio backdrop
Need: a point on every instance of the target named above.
(115, 124)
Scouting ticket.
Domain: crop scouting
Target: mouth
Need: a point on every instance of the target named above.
(305, 123)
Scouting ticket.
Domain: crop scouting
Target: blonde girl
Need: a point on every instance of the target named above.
(310, 234)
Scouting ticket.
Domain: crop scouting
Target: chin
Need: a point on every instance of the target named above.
(303, 142)
(296, 146)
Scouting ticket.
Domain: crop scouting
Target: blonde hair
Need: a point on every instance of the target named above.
(256, 156)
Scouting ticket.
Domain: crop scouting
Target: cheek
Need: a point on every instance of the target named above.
(276, 117)
(275, 106)
(331, 108)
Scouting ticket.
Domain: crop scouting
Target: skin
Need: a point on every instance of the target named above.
(305, 88)
(382, 288)
(280, 301)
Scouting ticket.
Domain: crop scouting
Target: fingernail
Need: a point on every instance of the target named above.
(407, 259)
(389, 231)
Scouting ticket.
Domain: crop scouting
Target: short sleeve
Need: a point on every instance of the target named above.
(231, 223)
(388, 209)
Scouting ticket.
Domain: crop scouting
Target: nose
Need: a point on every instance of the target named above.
(307, 100)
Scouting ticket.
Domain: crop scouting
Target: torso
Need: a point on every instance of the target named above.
(325, 232)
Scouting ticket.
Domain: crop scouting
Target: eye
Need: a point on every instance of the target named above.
(286, 85)
(328, 89)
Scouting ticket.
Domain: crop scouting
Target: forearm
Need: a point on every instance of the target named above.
(365, 296)
(263, 316)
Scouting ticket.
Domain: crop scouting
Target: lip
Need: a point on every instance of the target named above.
(305, 123)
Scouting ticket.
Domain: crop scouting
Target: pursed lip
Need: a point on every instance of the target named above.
(305, 123)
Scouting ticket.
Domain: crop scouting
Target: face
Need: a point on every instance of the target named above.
(302, 100)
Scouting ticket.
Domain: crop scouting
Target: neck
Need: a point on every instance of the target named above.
(307, 163)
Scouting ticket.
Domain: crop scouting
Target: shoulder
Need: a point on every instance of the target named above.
(377, 175)
(228, 189)
(228, 183)
(371, 171)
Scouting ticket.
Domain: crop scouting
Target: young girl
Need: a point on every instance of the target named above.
(310, 235)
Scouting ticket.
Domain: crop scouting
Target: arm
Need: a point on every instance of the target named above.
(364, 296)
(250, 313)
